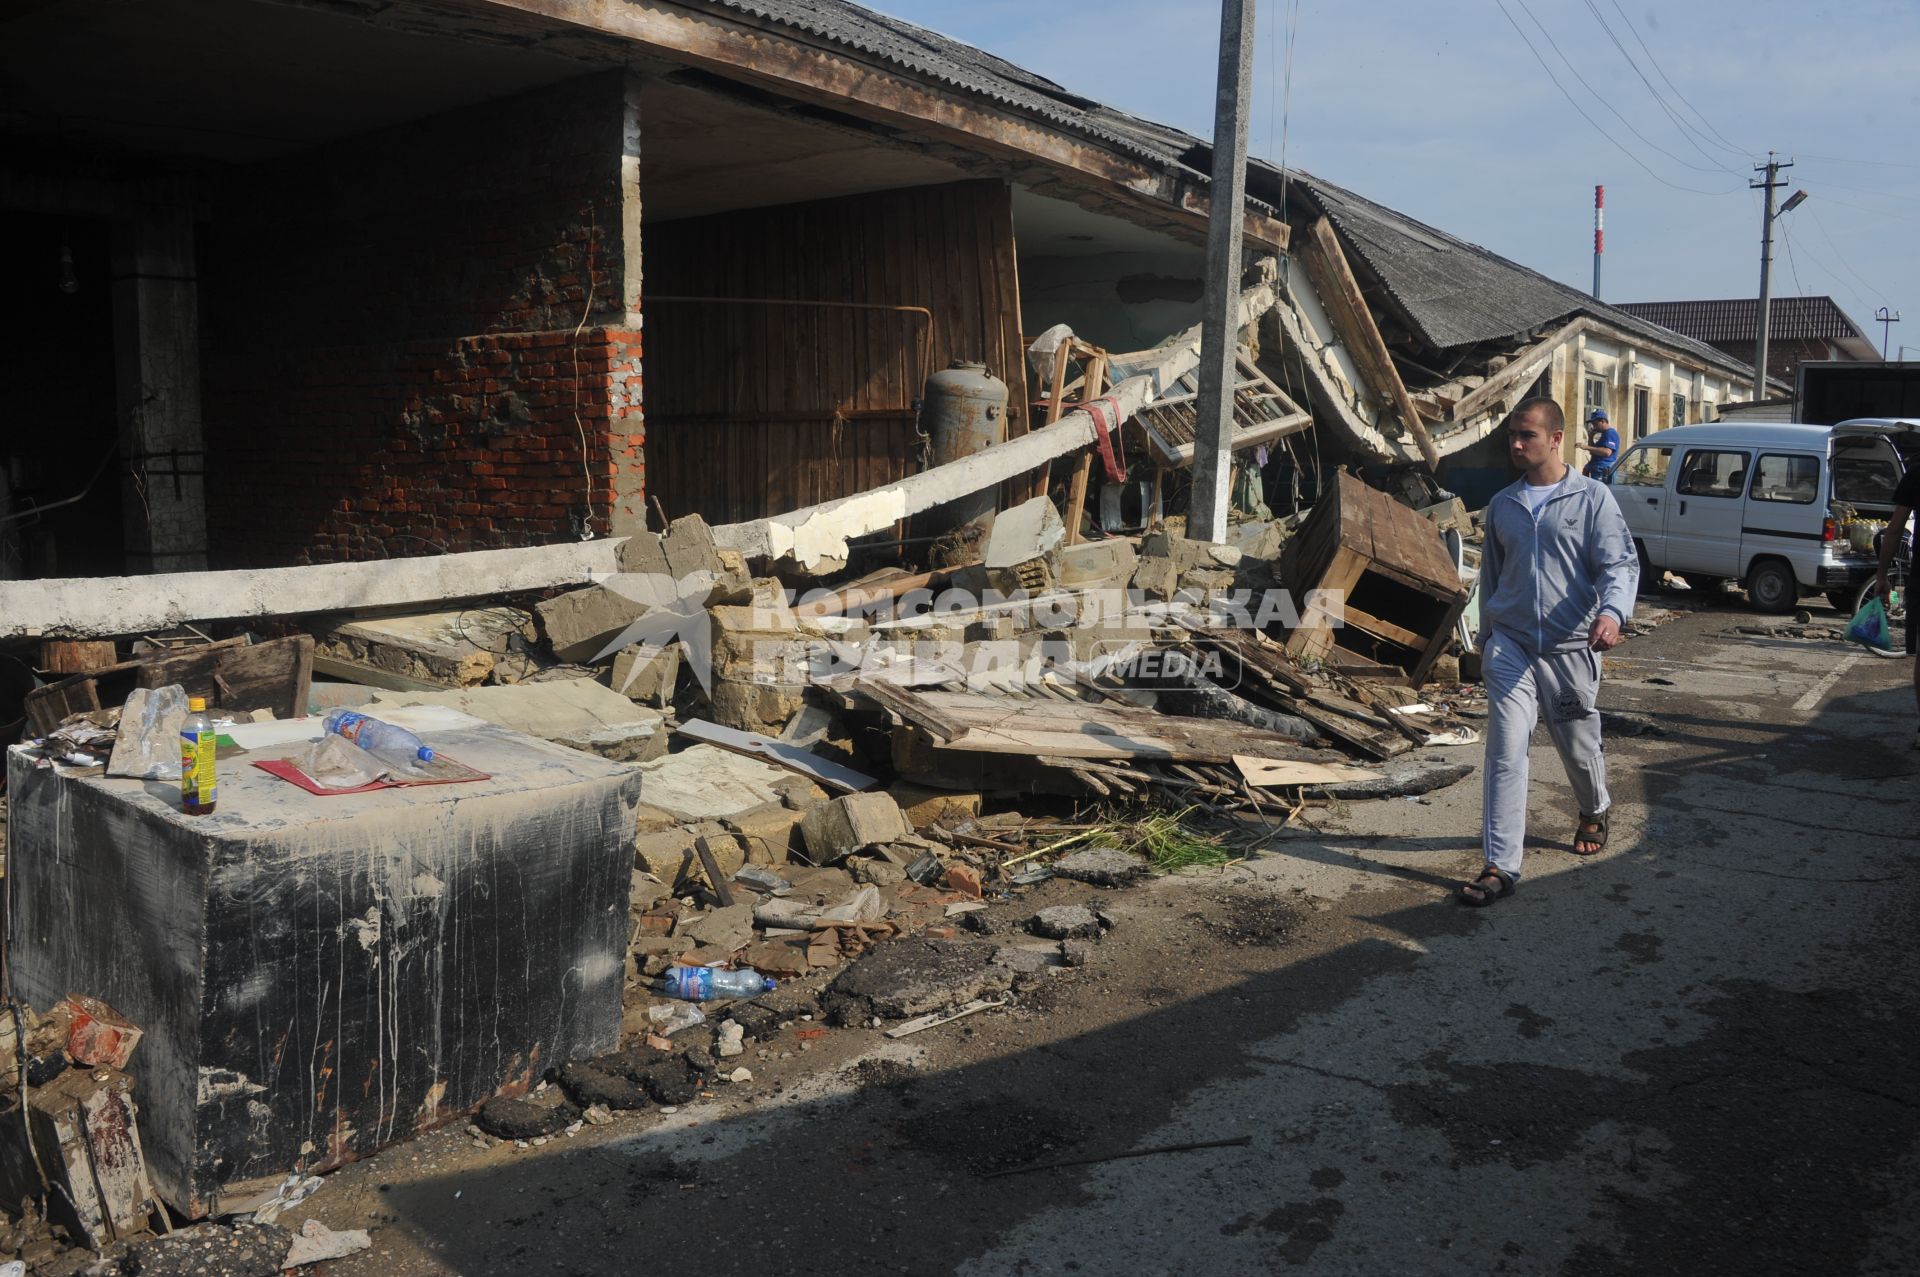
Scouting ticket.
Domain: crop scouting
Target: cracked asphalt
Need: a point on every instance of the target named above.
(1694, 1053)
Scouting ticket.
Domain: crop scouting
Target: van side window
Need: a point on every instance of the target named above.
(1707, 472)
(1795, 480)
(1643, 468)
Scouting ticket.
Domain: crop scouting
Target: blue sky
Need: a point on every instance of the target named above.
(1442, 111)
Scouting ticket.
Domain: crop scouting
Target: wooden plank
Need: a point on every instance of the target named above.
(1274, 771)
(1528, 361)
(1091, 388)
(1383, 629)
(76, 656)
(1332, 275)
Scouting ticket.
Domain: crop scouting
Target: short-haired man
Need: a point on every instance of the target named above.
(1906, 499)
(1558, 573)
(1603, 441)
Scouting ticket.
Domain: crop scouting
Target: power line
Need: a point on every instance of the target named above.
(1686, 130)
(1618, 145)
(1668, 81)
(1871, 291)
(1601, 98)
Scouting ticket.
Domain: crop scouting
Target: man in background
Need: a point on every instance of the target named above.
(1603, 441)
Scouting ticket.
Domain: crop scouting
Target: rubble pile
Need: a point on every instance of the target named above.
(848, 794)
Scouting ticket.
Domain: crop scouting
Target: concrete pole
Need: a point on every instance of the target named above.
(1220, 315)
(1772, 169)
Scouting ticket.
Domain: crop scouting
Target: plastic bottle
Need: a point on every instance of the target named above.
(198, 790)
(704, 984)
(395, 744)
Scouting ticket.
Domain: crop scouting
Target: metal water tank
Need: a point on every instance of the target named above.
(964, 412)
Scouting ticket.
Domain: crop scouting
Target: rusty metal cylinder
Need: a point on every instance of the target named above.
(964, 412)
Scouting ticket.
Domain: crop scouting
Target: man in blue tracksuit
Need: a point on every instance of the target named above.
(1558, 574)
(1603, 441)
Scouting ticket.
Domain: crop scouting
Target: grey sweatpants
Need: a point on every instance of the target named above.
(1520, 687)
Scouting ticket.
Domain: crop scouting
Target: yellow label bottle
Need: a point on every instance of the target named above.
(197, 739)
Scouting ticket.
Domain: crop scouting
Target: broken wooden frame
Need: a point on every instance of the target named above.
(1398, 589)
(230, 674)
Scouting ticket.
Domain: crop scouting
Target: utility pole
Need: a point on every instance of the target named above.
(1220, 314)
(1770, 184)
(1599, 235)
(1887, 319)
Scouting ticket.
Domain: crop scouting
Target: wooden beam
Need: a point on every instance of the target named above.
(785, 61)
(1496, 385)
(1333, 278)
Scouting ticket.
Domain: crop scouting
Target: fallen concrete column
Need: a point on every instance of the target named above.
(80, 607)
(821, 532)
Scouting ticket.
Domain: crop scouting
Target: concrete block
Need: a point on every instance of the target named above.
(922, 805)
(643, 673)
(1186, 555)
(1017, 550)
(839, 828)
(1157, 577)
(755, 707)
(580, 623)
(642, 553)
(1096, 565)
(396, 892)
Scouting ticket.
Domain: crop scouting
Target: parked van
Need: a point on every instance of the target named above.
(1754, 502)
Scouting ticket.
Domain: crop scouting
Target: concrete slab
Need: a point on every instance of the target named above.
(710, 783)
(577, 713)
(462, 648)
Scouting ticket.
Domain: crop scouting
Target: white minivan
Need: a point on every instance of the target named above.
(1753, 502)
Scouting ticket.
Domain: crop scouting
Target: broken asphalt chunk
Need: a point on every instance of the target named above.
(1065, 922)
(1101, 866)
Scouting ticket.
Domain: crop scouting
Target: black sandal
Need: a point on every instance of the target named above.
(1478, 895)
(1591, 829)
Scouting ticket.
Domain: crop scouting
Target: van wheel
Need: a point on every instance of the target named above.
(1772, 587)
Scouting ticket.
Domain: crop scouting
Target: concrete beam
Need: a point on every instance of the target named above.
(821, 532)
(88, 607)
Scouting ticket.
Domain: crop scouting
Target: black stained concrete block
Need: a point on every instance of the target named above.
(320, 976)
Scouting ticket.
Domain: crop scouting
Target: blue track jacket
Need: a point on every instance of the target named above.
(1544, 581)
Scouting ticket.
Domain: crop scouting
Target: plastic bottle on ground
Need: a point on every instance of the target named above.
(382, 739)
(704, 984)
(198, 735)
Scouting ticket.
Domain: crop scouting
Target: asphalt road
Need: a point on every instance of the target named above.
(1692, 1054)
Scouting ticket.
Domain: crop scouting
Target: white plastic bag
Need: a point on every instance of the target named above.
(334, 762)
(148, 747)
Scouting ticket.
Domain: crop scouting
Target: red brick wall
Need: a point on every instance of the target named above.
(404, 349)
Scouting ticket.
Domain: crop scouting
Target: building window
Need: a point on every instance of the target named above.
(1596, 397)
(1679, 410)
(1642, 412)
(1542, 385)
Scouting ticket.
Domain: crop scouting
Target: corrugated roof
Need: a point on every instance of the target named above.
(951, 62)
(1737, 319)
(1450, 292)
(1453, 293)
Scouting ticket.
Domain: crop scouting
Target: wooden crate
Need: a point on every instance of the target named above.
(1400, 593)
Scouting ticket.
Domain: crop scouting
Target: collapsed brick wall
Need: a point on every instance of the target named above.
(406, 341)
